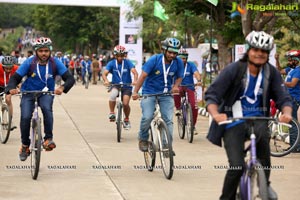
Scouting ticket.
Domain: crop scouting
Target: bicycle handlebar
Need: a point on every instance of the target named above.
(36, 92)
(230, 120)
(158, 94)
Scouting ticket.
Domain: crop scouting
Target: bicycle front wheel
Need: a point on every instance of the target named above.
(5, 124)
(280, 142)
(150, 155)
(86, 79)
(189, 123)
(258, 183)
(165, 150)
(36, 148)
(119, 121)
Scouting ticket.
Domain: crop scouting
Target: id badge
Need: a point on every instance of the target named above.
(237, 110)
(45, 89)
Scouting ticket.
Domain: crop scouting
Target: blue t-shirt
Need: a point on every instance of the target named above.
(251, 109)
(188, 75)
(86, 65)
(119, 75)
(154, 83)
(293, 73)
(38, 79)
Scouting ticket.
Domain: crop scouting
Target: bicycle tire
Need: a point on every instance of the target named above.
(86, 79)
(165, 150)
(150, 155)
(258, 177)
(36, 149)
(278, 144)
(189, 123)
(5, 124)
(180, 126)
(119, 121)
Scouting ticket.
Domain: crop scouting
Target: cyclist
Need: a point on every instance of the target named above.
(40, 71)
(244, 88)
(7, 69)
(292, 82)
(85, 65)
(190, 70)
(157, 76)
(120, 68)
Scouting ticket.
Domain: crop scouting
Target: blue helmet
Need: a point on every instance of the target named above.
(171, 44)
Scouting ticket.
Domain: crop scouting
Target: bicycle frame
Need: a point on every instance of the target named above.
(161, 142)
(36, 135)
(252, 166)
(120, 112)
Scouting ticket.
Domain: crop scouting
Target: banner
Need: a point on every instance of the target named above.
(129, 37)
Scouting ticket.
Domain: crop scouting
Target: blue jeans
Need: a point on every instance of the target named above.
(27, 106)
(166, 104)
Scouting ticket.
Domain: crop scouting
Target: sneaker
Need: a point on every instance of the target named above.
(24, 152)
(272, 194)
(178, 112)
(143, 145)
(112, 117)
(49, 144)
(126, 124)
(195, 131)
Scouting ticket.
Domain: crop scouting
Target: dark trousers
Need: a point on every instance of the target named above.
(234, 139)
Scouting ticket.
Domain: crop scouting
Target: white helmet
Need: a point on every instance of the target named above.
(261, 40)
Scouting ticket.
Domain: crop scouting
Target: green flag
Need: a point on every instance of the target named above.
(159, 11)
(213, 2)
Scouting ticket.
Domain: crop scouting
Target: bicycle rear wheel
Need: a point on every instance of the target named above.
(180, 126)
(258, 183)
(150, 155)
(280, 144)
(36, 149)
(189, 123)
(119, 121)
(165, 150)
(5, 124)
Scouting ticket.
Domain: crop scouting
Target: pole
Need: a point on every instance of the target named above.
(210, 46)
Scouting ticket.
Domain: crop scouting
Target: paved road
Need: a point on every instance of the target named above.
(88, 163)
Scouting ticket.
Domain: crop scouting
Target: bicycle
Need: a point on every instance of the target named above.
(159, 141)
(36, 133)
(120, 113)
(185, 122)
(5, 120)
(280, 144)
(253, 171)
(86, 79)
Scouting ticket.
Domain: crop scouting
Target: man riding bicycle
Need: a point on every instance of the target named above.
(121, 69)
(157, 77)
(41, 71)
(190, 70)
(244, 88)
(7, 69)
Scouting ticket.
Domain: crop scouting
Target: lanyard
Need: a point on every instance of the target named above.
(166, 72)
(256, 89)
(185, 68)
(5, 78)
(46, 73)
(122, 69)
